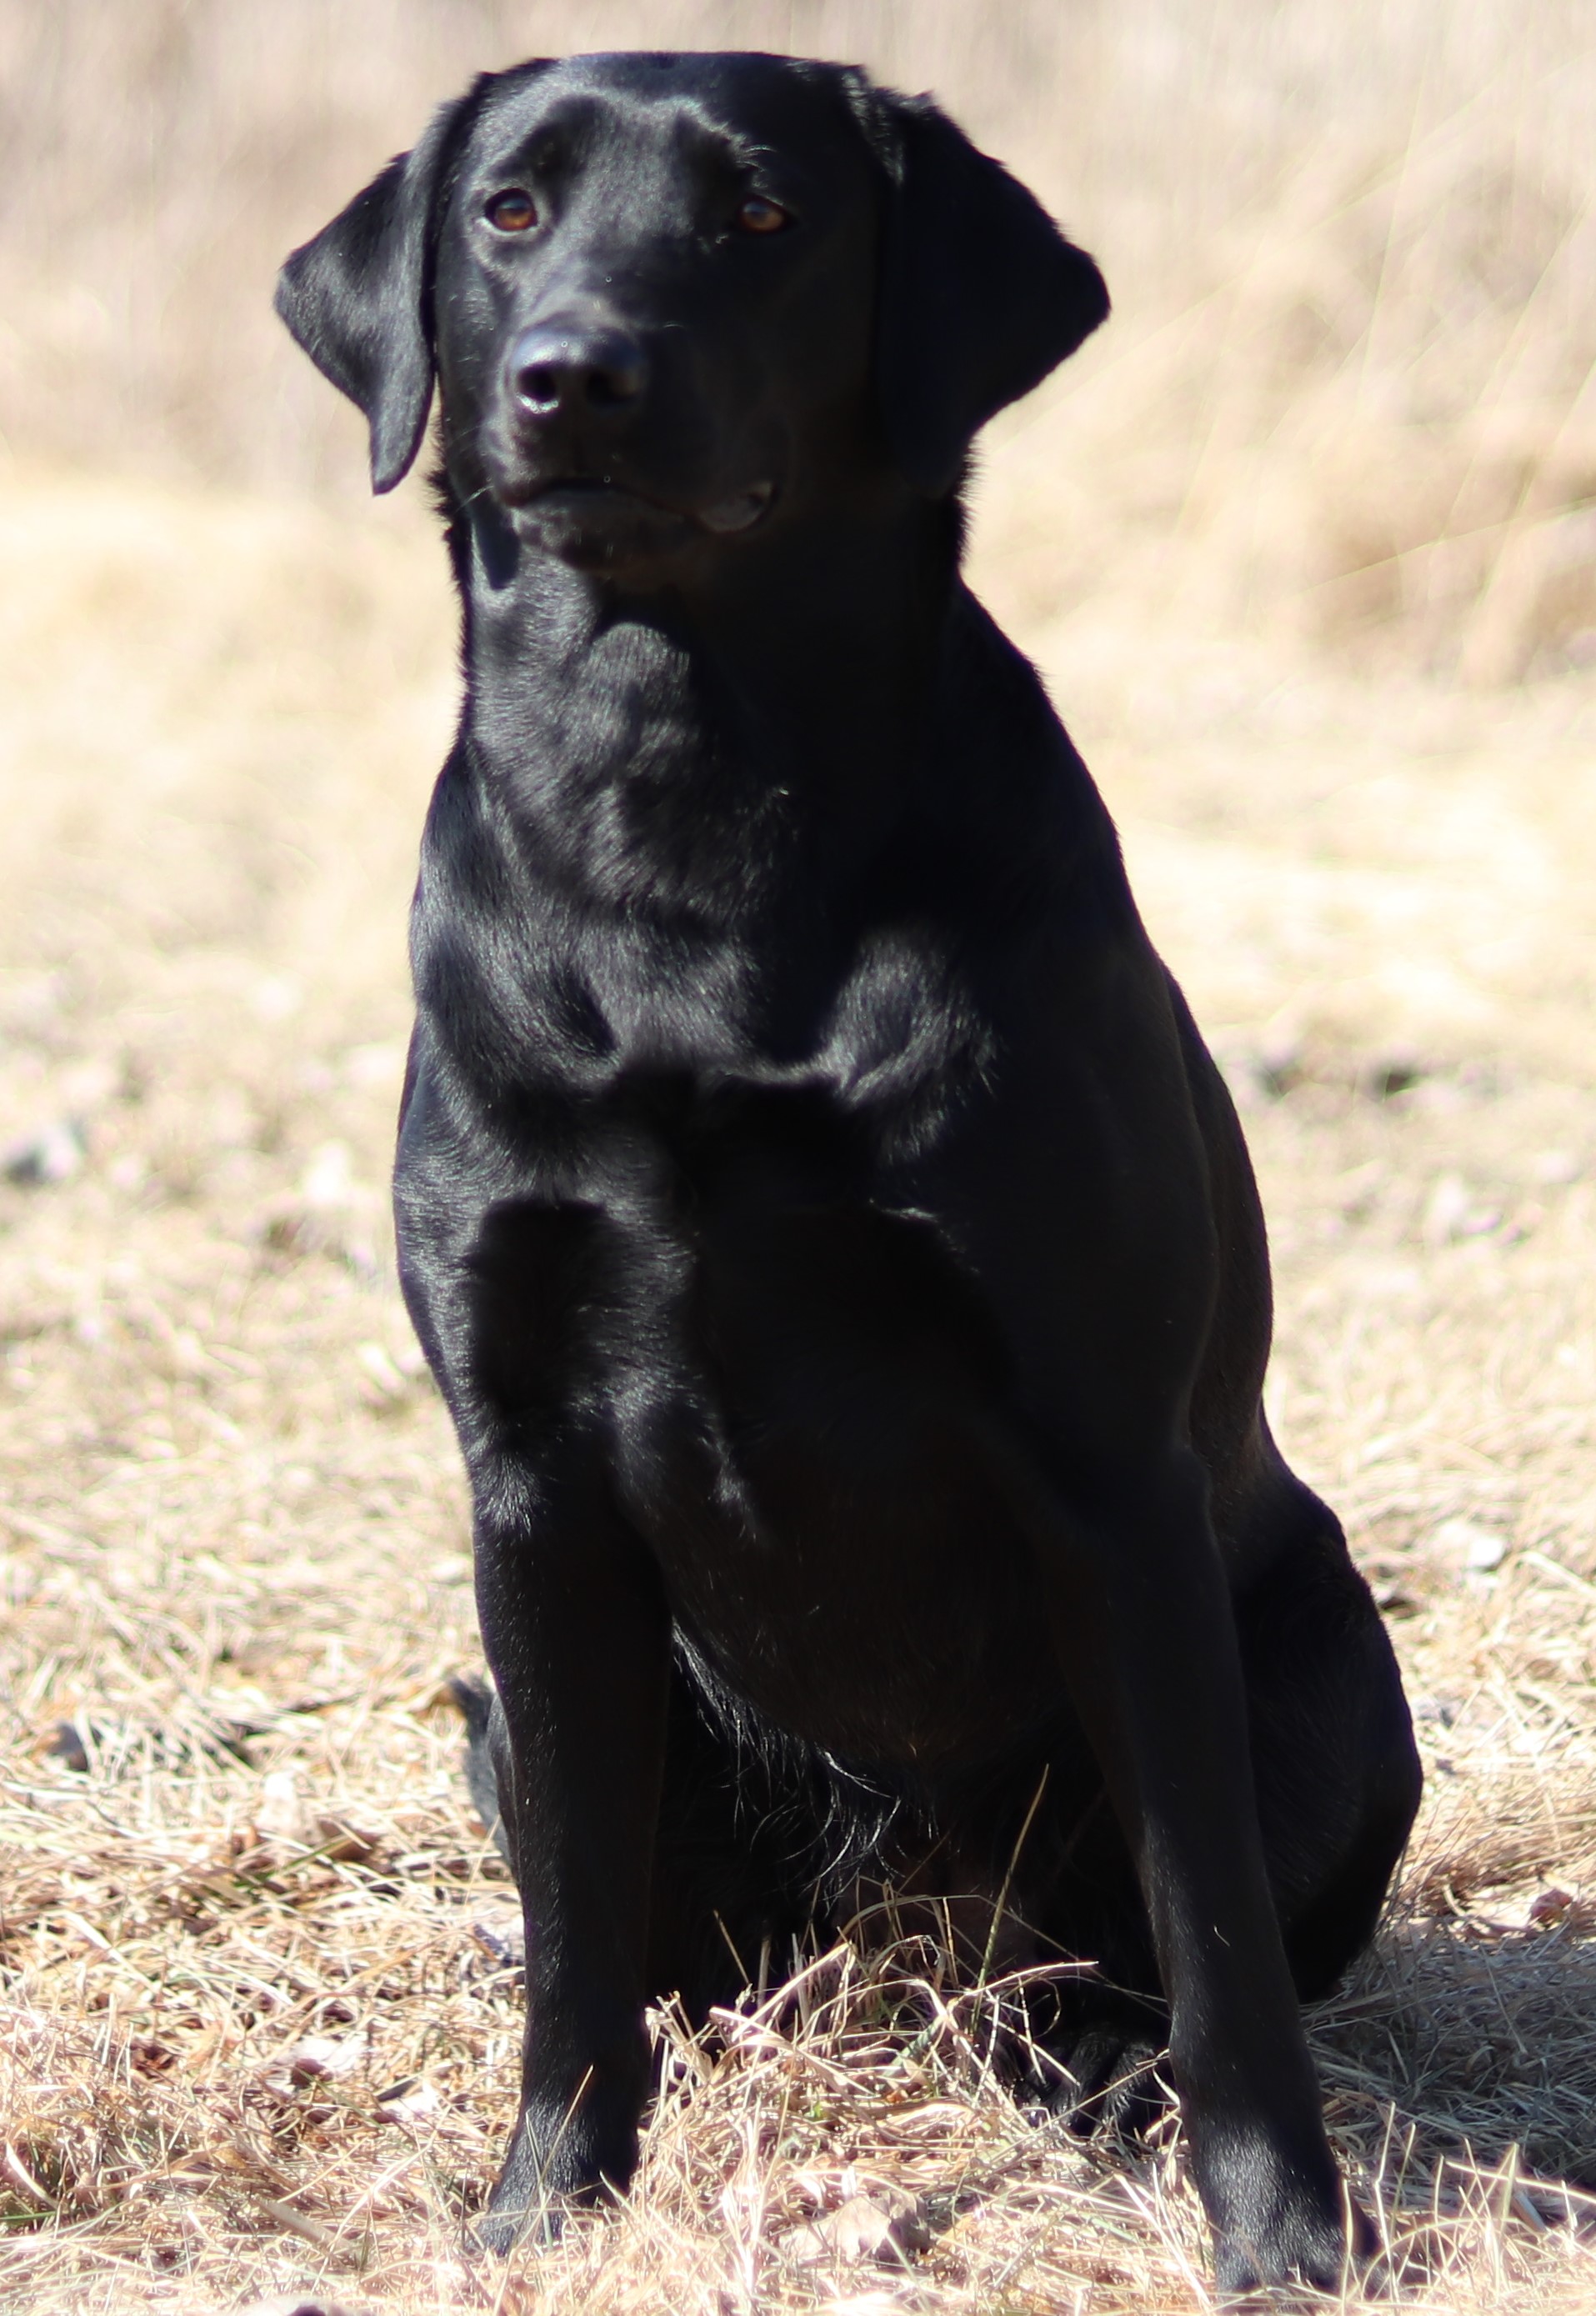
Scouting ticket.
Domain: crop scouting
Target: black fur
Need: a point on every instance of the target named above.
(835, 1246)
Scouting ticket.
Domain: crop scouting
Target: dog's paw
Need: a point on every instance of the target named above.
(1105, 2079)
(506, 2223)
(569, 2161)
(1302, 2250)
(1279, 2221)
(1308, 2247)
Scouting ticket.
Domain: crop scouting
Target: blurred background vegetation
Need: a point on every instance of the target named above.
(1348, 387)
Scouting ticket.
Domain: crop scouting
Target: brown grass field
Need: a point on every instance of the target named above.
(1306, 544)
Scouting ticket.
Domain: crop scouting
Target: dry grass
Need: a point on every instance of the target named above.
(1278, 545)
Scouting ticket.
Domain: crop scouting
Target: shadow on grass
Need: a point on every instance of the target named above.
(1459, 2064)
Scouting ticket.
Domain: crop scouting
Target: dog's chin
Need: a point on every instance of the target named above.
(601, 527)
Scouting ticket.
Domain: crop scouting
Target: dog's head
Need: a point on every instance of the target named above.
(670, 301)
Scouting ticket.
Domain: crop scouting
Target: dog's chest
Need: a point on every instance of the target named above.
(797, 1385)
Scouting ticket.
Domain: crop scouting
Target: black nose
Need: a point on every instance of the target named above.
(553, 370)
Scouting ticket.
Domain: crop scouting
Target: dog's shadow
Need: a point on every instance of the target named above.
(1459, 2049)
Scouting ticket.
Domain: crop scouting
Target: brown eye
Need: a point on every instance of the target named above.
(760, 215)
(512, 211)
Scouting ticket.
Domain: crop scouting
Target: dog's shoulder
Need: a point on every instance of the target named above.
(1024, 826)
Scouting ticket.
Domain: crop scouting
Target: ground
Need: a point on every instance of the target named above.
(259, 2033)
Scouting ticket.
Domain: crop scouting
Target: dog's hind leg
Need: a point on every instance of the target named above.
(485, 1741)
(741, 1819)
(1337, 1781)
(1095, 2028)
(1336, 1770)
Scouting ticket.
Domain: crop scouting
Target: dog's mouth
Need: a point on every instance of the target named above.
(598, 502)
(741, 512)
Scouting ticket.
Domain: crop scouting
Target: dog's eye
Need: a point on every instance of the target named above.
(760, 214)
(512, 211)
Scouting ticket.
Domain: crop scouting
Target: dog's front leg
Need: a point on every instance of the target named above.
(1144, 1626)
(577, 1634)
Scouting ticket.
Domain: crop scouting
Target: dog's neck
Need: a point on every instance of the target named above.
(763, 718)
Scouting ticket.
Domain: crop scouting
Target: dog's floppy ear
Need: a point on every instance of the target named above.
(981, 295)
(358, 298)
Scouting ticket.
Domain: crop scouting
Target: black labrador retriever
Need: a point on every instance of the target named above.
(833, 1240)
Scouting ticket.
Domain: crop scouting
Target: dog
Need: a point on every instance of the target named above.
(835, 1246)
